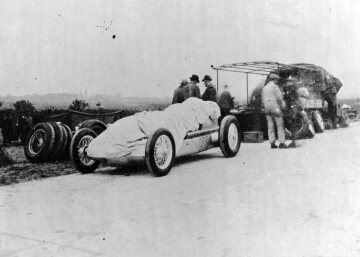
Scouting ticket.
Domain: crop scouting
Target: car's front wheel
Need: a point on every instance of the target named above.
(160, 152)
(79, 143)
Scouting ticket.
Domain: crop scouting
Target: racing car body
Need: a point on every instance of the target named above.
(157, 138)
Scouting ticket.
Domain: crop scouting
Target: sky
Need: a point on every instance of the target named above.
(145, 48)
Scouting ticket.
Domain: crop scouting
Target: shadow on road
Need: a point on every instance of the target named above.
(141, 168)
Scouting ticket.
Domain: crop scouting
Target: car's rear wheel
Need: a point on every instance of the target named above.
(160, 152)
(230, 136)
(79, 143)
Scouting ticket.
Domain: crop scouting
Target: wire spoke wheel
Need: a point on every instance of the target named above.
(83, 144)
(37, 141)
(163, 151)
(160, 152)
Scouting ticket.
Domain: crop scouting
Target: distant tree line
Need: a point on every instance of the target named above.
(17, 122)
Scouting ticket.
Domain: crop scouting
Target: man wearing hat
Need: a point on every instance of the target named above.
(178, 93)
(192, 89)
(273, 102)
(210, 91)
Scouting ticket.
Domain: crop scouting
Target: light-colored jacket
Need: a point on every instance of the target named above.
(272, 99)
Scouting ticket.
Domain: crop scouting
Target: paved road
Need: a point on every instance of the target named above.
(294, 202)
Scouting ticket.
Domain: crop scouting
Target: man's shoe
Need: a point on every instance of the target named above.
(273, 146)
(282, 145)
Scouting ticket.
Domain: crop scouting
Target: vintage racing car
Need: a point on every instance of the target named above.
(159, 144)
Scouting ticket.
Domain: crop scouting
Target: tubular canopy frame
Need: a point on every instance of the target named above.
(258, 68)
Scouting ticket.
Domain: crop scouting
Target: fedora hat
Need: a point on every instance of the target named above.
(195, 78)
(207, 77)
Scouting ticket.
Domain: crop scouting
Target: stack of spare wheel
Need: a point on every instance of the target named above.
(48, 141)
(95, 125)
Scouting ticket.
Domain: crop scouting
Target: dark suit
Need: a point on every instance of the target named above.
(210, 93)
(191, 90)
(178, 95)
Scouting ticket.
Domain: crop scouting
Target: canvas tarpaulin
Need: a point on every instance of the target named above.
(128, 136)
(74, 118)
(315, 78)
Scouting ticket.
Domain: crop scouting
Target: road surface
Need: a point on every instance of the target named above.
(263, 202)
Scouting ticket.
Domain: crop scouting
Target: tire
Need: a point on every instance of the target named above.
(96, 125)
(39, 142)
(318, 122)
(160, 138)
(64, 144)
(66, 150)
(79, 142)
(230, 136)
(311, 130)
(343, 120)
(55, 153)
(302, 128)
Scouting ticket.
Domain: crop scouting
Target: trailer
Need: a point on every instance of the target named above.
(322, 87)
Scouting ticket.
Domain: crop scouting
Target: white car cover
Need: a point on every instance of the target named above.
(128, 136)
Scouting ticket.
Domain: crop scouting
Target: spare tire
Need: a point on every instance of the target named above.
(56, 151)
(318, 122)
(39, 142)
(68, 136)
(96, 125)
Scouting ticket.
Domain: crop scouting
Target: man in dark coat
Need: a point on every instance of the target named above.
(179, 92)
(210, 91)
(226, 101)
(192, 89)
(6, 128)
(294, 109)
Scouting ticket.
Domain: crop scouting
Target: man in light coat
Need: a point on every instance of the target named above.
(273, 102)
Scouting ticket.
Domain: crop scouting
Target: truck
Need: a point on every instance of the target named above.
(321, 106)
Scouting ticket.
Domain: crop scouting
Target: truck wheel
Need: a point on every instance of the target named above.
(79, 143)
(343, 120)
(311, 131)
(318, 122)
(160, 152)
(230, 136)
(39, 142)
(96, 125)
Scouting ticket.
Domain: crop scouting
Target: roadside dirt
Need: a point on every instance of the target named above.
(21, 170)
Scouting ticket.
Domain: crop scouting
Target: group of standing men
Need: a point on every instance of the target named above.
(191, 89)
